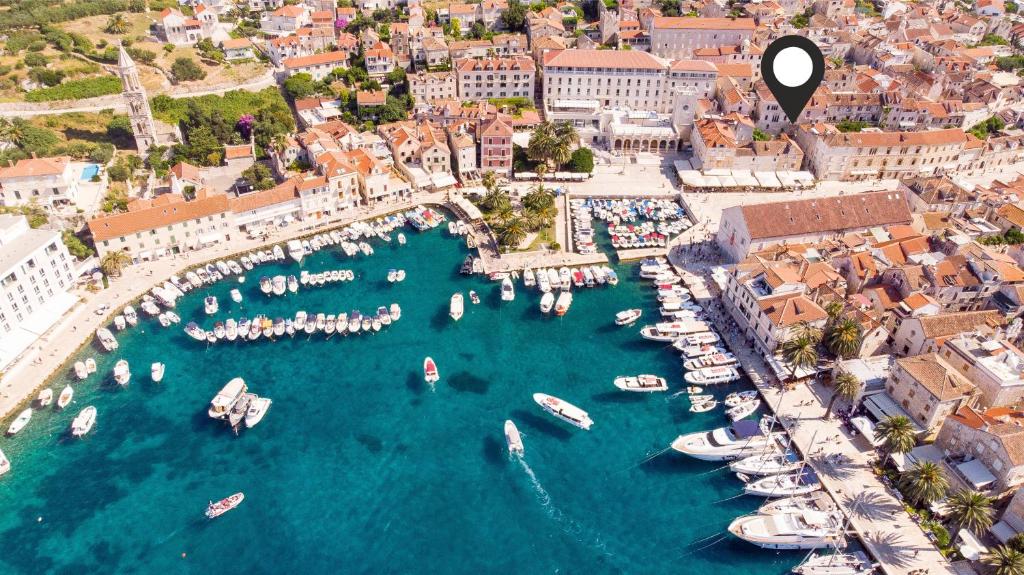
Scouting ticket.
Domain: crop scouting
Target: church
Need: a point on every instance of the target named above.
(147, 132)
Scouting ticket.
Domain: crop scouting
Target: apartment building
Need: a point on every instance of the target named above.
(609, 78)
(917, 335)
(984, 449)
(316, 65)
(678, 37)
(304, 42)
(728, 143)
(509, 77)
(929, 389)
(995, 365)
(47, 181)
(429, 87)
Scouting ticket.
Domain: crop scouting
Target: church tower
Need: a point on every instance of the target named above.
(138, 104)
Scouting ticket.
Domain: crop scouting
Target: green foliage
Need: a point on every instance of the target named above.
(39, 12)
(1013, 237)
(993, 40)
(670, 7)
(866, 7)
(581, 161)
(207, 50)
(1011, 7)
(761, 136)
(75, 245)
(1010, 63)
(185, 69)
(258, 176)
(102, 152)
(33, 59)
(803, 19)
(514, 105)
(35, 213)
(119, 129)
(514, 17)
(300, 86)
(77, 90)
(46, 76)
(116, 200)
(983, 130)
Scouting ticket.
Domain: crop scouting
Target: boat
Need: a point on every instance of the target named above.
(90, 365)
(553, 278)
(195, 332)
(156, 371)
(711, 375)
(367, 323)
(257, 409)
(119, 322)
(400, 276)
(354, 321)
(565, 277)
(798, 482)
(278, 253)
(430, 374)
(231, 329)
(265, 285)
(705, 338)
(473, 297)
(693, 389)
(562, 303)
(734, 399)
(65, 397)
(770, 463)
(83, 422)
(743, 410)
(375, 323)
(711, 360)
(696, 351)
(214, 510)
(45, 397)
(529, 280)
(671, 331)
(547, 301)
(278, 285)
(815, 501)
(226, 398)
(295, 250)
(564, 410)
(210, 305)
(644, 383)
(508, 291)
(395, 312)
(741, 439)
(628, 317)
(173, 317)
(5, 464)
(80, 371)
(856, 563)
(20, 422)
(455, 307)
(703, 406)
(401, 239)
(236, 296)
(542, 281)
(122, 375)
(106, 338)
(513, 439)
(392, 273)
(794, 530)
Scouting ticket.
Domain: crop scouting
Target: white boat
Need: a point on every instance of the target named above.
(815, 501)
(156, 371)
(564, 410)
(173, 317)
(401, 239)
(122, 375)
(711, 375)
(542, 281)
(236, 296)
(210, 305)
(106, 338)
(705, 338)
(265, 285)
(553, 278)
(366, 324)
(711, 360)
(741, 439)
(90, 365)
(45, 397)
(80, 371)
(508, 291)
(20, 422)
(395, 312)
(295, 250)
(214, 510)
(565, 277)
(119, 322)
(703, 406)
(784, 485)
(392, 273)
(5, 464)
(456, 306)
(628, 317)
(83, 422)
(278, 253)
(257, 409)
(278, 284)
(562, 303)
(293, 284)
(65, 397)
(694, 351)
(400, 276)
(226, 398)
(770, 463)
(743, 410)
(547, 302)
(644, 383)
(231, 329)
(354, 322)
(529, 280)
(164, 322)
(796, 530)
(693, 389)
(736, 398)
(855, 563)
(195, 332)
(671, 331)
(430, 373)
(513, 439)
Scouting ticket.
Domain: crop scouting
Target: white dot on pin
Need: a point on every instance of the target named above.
(792, 67)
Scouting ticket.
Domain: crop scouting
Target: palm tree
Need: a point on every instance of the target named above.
(114, 262)
(489, 181)
(846, 386)
(805, 330)
(496, 199)
(1004, 560)
(538, 199)
(566, 139)
(800, 353)
(844, 338)
(117, 24)
(542, 142)
(834, 309)
(924, 482)
(896, 433)
(504, 213)
(540, 170)
(970, 510)
(512, 233)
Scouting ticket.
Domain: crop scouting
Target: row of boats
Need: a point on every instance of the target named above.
(235, 405)
(565, 278)
(658, 220)
(309, 323)
(80, 425)
(349, 238)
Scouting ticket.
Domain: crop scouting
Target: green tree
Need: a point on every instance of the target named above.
(800, 352)
(185, 69)
(845, 338)
(806, 330)
(119, 129)
(114, 262)
(117, 24)
(542, 142)
(514, 17)
(300, 86)
(971, 510)
(924, 482)
(76, 246)
(258, 176)
(566, 140)
(582, 161)
(761, 136)
(1004, 560)
(897, 435)
(512, 232)
(845, 386)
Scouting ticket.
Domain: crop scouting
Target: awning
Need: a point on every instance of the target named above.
(467, 207)
(442, 180)
(1003, 531)
(970, 547)
(209, 238)
(767, 179)
(866, 428)
(782, 371)
(976, 474)
(927, 452)
(881, 406)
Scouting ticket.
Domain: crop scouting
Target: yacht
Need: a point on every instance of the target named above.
(513, 439)
(562, 303)
(430, 373)
(214, 510)
(565, 278)
(710, 360)
(547, 301)
(855, 563)
(696, 351)
(236, 296)
(794, 530)
(710, 375)
(508, 291)
(278, 285)
(644, 383)
(554, 280)
(65, 397)
(295, 250)
(628, 317)
(564, 410)
(83, 422)
(106, 338)
(195, 332)
(784, 485)
(231, 329)
(395, 312)
(455, 308)
(706, 338)
(226, 398)
(815, 501)
(156, 371)
(741, 439)
(769, 463)
(257, 409)
(210, 305)
(5, 464)
(45, 397)
(80, 371)
(743, 410)
(529, 280)
(20, 422)
(121, 372)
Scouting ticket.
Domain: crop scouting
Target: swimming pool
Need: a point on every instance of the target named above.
(89, 171)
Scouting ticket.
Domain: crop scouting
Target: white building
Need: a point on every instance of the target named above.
(49, 181)
(36, 275)
(678, 37)
(510, 77)
(607, 78)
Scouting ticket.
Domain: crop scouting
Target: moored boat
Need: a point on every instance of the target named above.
(226, 398)
(564, 410)
(795, 530)
(122, 375)
(80, 371)
(236, 296)
(743, 410)
(214, 510)
(395, 312)
(210, 305)
(642, 383)
(798, 482)
(741, 439)
(257, 409)
(20, 422)
(106, 338)
(508, 290)
(563, 303)
(5, 464)
(711, 375)
(156, 371)
(856, 563)
(455, 307)
(770, 463)
(83, 422)
(547, 302)
(65, 397)
(45, 397)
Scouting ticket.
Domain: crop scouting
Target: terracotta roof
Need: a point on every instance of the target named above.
(1013, 213)
(288, 11)
(236, 43)
(937, 376)
(163, 211)
(31, 167)
(693, 66)
(700, 23)
(186, 171)
(371, 97)
(260, 199)
(838, 213)
(948, 324)
(496, 64)
(238, 151)
(790, 309)
(1004, 423)
(618, 59)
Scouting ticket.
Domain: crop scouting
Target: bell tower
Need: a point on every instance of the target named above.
(138, 104)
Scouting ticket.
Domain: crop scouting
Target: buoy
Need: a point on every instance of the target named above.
(183, 555)
(39, 519)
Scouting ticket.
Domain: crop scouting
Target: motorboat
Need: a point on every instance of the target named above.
(610, 276)
(642, 383)
(106, 338)
(173, 317)
(219, 331)
(265, 285)
(5, 464)
(395, 312)
(278, 326)
(119, 322)
(278, 285)
(122, 375)
(815, 501)
(367, 324)
(210, 305)
(542, 281)
(769, 463)
(554, 279)
(741, 439)
(455, 307)
(693, 389)
(703, 406)
(400, 276)
(83, 422)
(156, 371)
(401, 239)
(706, 338)
(195, 332)
(45, 397)
(231, 329)
(354, 321)
(856, 563)
(743, 410)
(329, 325)
(565, 278)
(90, 366)
(628, 317)
(257, 409)
(529, 280)
(795, 530)
(513, 439)
(547, 302)
(65, 397)
(564, 410)
(375, 323)
(20, 422)
(562, 303)
(214, 510)
(712, 375)
(278, 253)
(130, 315)
(473, 297)
(295, 250)
(710, 360)
(236, 296)
(694, 351)
(798, 482)
(734, 399)
(321, 322)
(392, 274)
(430, 373)
(508, 291)
(226, 398)
(80, 371)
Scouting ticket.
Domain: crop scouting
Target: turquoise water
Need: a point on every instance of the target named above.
(359, 467)
(89, 171)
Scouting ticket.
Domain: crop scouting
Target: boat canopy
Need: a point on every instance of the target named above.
(745, 428)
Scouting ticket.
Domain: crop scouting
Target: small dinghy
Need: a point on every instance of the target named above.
(65, 397)
(430, 374)
(703, 406)
(157, 372)
(80, 370)
(45, 397)
(236, 296)
(20, 422)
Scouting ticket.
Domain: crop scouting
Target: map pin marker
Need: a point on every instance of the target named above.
(792, 67)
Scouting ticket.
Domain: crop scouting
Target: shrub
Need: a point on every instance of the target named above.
(581, 161)
(76, 246)
(77, 90)
(186, 70)
(45, 76)
(34, 59)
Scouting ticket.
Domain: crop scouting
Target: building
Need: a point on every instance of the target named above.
(995, 365)
(287, 19)
(429, 87)
(305, 42)
(729, 144)
(508, 77)
(183, 176)
(143, 127)
(36, 276)
(917, 335)
(751, 228)
(607, 78)
(380, 60)
(237, 49)
(929, 389)
(316, 65)
(984, 450)
(46, 181)
(181, 30)
(678, 37)
(495, 137)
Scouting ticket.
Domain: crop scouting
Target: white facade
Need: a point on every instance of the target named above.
(48, 181)
(678, 37)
